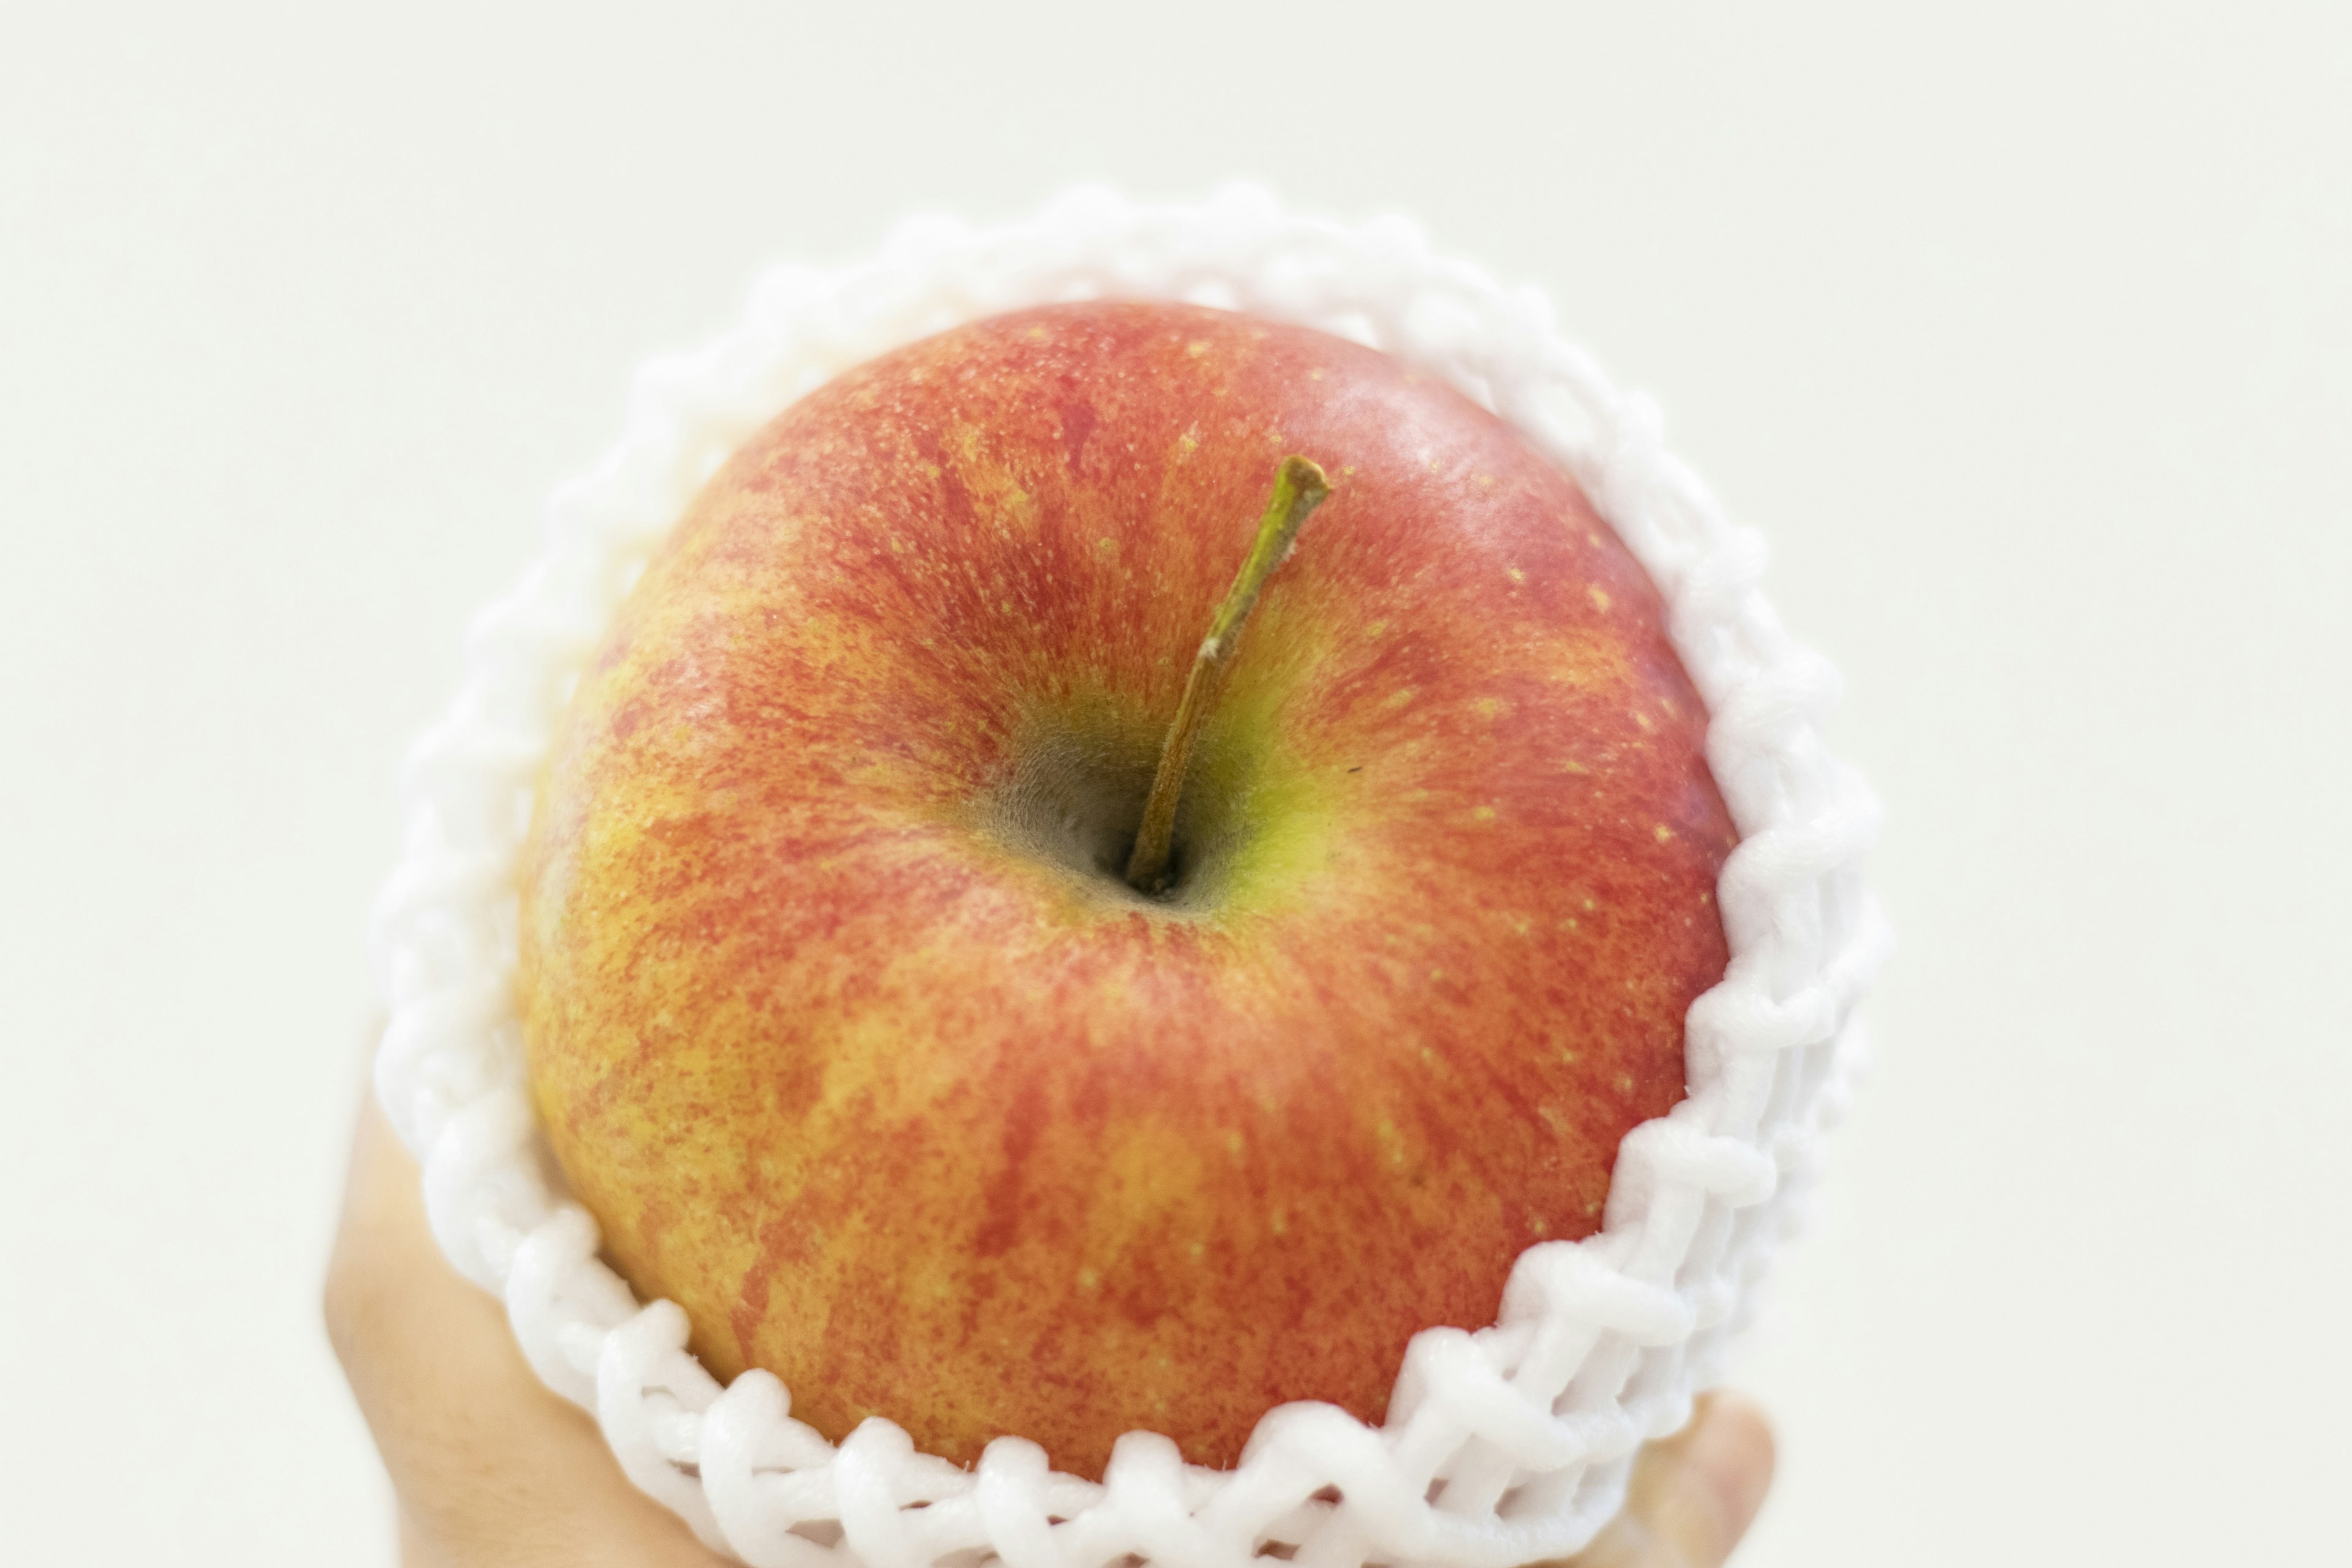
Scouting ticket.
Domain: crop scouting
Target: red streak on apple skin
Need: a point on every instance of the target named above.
(937, 1130)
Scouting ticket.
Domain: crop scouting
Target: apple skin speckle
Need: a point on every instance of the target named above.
(934, 1125)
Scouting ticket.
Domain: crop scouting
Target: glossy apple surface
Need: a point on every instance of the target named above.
(843, 1024)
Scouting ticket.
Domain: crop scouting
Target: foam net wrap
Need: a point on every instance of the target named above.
(1502, 1446)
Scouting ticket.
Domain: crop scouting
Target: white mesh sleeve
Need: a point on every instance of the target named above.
(1502, 1446)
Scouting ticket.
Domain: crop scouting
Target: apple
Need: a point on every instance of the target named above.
(848, 1023)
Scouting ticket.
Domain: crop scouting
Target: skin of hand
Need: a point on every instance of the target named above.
(492, 1467)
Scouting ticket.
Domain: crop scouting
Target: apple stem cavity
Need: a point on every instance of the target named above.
(1299, 487)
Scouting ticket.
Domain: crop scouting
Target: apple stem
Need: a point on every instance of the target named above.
(1299, 487)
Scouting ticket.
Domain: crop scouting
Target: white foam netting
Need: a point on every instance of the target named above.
(1502, 1446)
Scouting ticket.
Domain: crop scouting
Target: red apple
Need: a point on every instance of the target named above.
(844, 1022)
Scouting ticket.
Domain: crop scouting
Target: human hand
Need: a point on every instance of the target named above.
(492, 1467)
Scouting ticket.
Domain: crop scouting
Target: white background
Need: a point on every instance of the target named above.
(2024, 330)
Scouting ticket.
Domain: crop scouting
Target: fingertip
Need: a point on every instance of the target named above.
(1730, 1454)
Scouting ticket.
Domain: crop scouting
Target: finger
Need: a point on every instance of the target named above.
(1707, 1484)
(1693, 1495)
(489, 1465)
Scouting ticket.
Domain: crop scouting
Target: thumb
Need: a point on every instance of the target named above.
(1693, 1495)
